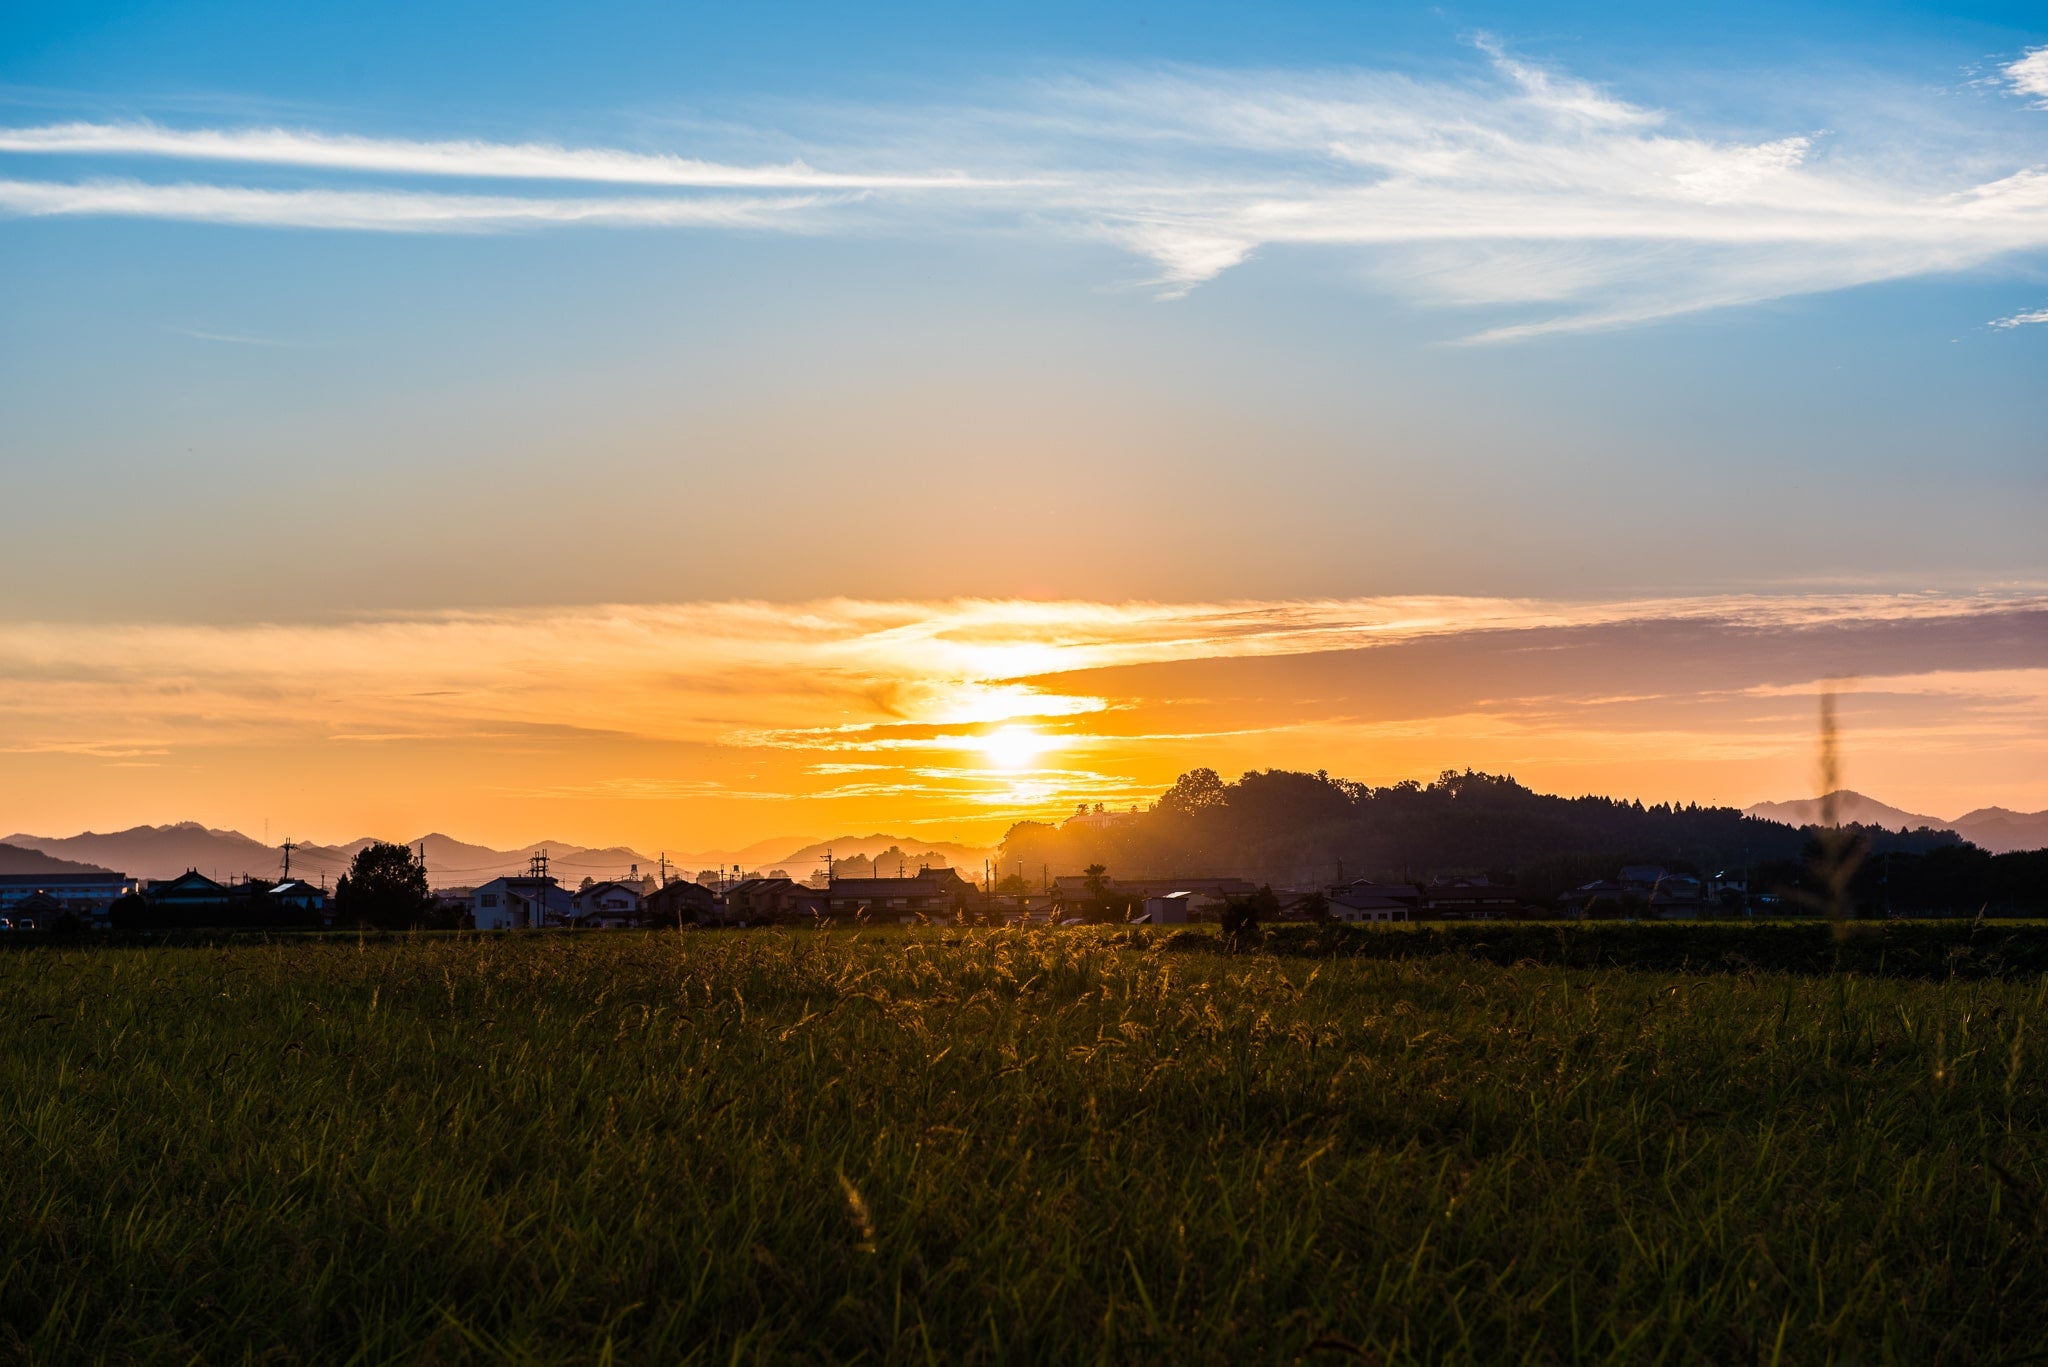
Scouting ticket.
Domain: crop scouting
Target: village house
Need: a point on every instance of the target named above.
(930, 894)
(609, 906)
(1364, 900)
(296, 894)
(1469, 899)
(1099, 819)
(37, 911)
(752, 901)
(190, 890)
(681, 903)
(521, 903)
(1073, 888)
(1353, 907)
(1639, 890)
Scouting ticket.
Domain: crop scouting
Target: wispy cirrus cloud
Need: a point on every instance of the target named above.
(468, 158)
(1550, 202)
(385, 210)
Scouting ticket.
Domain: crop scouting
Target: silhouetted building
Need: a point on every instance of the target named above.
(682, 903)
(932, 894)
(1471, 899)
(754, 900)
(83, 893)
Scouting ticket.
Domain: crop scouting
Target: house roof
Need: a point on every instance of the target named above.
(61, 880)
(1366, 901)
(191, 879)
(920, 886)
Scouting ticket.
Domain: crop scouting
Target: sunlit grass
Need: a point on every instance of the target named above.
(1012, 1145)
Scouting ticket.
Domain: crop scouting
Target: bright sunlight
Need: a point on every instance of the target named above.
(1014, 747)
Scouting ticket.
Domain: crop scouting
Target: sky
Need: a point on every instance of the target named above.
(681, 426)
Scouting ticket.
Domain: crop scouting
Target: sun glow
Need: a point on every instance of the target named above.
(1013, 747)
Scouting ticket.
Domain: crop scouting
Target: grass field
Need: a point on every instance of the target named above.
(1012, 1145)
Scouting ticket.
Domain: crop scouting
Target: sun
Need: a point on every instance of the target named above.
(1013, 747)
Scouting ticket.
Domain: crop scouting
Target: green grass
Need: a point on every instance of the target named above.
(1028, 1146)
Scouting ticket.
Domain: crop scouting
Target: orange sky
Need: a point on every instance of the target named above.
(695, 727)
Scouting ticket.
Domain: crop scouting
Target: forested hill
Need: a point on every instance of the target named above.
(1292, 828)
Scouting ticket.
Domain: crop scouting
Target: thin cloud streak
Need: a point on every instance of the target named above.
(468, 158)
(1518, 189)
(2020, 320)
(384, 210)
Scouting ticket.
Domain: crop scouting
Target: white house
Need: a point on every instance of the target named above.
(1353, 905)
(609, 906)
(521, 904)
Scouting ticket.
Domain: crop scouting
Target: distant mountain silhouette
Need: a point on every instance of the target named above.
(1988, 828)
(167, 851)
(1851, 808)
(936, 853)
(15, 860)
(160, 851)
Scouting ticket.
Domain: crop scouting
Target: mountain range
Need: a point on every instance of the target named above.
(14, 860)
(1997, 829)
(167, 851)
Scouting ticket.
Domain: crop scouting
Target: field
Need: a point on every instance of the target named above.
(1007, 1146)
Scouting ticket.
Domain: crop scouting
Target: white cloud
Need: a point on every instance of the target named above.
(505, 161)
(1552, 203)
(382, 210)
(2029, 75)
(2020, 320)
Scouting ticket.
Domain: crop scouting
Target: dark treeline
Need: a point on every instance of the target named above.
(1301, 829)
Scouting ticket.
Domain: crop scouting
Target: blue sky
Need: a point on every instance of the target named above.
(1157, 271)
(318, 317)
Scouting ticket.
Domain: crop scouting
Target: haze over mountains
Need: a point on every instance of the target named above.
(1995, 829)
(167, 851)
(19, 861)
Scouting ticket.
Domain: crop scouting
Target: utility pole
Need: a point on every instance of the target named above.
(287, 876)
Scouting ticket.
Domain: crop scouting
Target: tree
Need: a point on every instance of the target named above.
(385, 886)
(1198, 790)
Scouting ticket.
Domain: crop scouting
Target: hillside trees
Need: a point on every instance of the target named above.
(1283, 826)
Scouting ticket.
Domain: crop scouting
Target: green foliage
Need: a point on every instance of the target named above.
(1006, 1146)
(385, 886)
